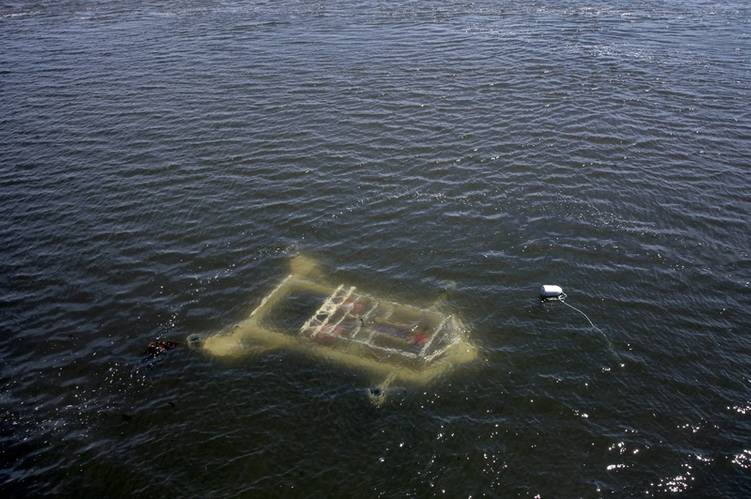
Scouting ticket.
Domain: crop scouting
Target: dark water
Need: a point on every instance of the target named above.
(161, 161)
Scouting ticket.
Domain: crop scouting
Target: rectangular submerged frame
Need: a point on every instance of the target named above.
(355, 329)
(349, 316)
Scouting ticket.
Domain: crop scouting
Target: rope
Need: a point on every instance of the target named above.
(602, 333)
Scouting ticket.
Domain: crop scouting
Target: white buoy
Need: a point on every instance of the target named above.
(550, 291)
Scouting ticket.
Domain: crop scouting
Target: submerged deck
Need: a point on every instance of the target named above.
(349, 327)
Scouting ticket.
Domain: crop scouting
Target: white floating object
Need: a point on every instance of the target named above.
(548, 291)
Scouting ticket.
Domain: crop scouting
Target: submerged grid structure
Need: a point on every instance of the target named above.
(347, 315)
(346, 326)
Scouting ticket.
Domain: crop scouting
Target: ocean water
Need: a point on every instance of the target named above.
(161, 162)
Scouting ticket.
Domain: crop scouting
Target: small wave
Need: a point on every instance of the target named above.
(13, 15)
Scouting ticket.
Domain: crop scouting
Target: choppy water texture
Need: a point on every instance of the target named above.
(161, 161)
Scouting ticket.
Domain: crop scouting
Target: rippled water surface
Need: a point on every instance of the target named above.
(160, 162)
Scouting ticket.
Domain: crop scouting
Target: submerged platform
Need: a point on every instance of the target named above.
(349, 327)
